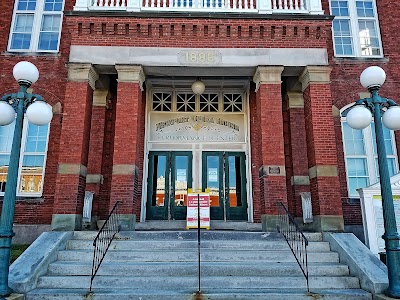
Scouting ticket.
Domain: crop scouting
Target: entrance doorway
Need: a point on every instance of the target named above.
(223, 173)
(170, 175)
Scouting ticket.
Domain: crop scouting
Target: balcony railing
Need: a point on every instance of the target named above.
(313, 7)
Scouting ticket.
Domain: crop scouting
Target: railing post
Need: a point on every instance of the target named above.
(134, 5)
(264, 6)
(82, 5)
(314, 7)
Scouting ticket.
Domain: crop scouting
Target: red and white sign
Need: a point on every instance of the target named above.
(192, 210)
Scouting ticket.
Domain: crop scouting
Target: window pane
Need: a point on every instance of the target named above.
(342, 37)
(53, 5)
(162, 102)
(36, 138)
(4, 162)
(357, 167)
(49, 32)
(233, 102)
(22, 32)
(369, 41)
(209, 102)
(6, 137)
(391, 166)
(365, 8)
(31, 174)
(353, 140)
(339, 8)
(185, 102)
(388, 141)
(357, 183)
(26, 5)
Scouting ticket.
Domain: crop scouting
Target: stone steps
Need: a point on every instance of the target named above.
(147, 265)
(70, 268)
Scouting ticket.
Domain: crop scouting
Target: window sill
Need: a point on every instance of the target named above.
(353, 201)
(360, 59)
(21, 53)
(32, 199)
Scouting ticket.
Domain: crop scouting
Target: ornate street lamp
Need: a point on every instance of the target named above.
(13, 107)
(359, 117)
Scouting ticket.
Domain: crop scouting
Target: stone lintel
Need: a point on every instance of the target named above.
(323, 171)
(315, 75)
(268, 75)
(100, 97)
(83, 73)
(125, 169)
(94, 178)
(300, 180)
(295, 100)
(131, 73)
(72, 169)
(269, 170)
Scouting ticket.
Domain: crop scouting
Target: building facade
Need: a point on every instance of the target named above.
(270, 125)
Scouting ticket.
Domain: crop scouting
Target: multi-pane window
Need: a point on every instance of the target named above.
(189, 102)
(361, 157)
(355, 28)
(32, 159)
(36, 26)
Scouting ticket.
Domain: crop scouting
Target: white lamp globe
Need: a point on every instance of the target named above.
(39, 113)
(359, 117)
(7, 114)
(372, 76)
(391, 118)
(24, 71)
(198, 87)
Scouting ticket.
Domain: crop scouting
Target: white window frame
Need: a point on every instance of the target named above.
(369, 152)
(38, 14)
(23, 152)
(353, 18)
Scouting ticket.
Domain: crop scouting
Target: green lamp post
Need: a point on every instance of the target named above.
(384, 111)
(13, 108)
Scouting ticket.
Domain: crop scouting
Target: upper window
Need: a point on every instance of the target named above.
(32, 159)
(356, 28)
(36, 26)
(361, 157)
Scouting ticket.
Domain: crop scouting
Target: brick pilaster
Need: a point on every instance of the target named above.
(271, 148)
(74, 146)
(298, 180)
(321, 148)
(127, 140)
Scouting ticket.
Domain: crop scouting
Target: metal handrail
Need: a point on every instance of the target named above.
(295, 238)
(104, 238)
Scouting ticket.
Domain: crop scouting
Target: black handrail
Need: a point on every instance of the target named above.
(104, 238)
(295, 238)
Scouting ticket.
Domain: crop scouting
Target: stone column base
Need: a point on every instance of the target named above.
(128, 222)
(68, 222)
(269, 222)
(328, 223)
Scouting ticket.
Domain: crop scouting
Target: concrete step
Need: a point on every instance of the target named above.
(192, 235)
(191, 255)
(179, 283)
(70, 268)
(188, 244)
(208, 294)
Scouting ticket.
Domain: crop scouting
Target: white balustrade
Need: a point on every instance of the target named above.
(251, 6)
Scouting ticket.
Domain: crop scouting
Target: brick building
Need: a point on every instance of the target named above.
(270, 125)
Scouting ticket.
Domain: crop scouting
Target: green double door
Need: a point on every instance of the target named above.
(171, 175)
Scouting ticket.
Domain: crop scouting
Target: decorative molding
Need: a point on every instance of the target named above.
(72, 169)
(100, 97)
(95, 178)
(83, 72)
(323, 171)
(131, 73)
(125, 169)
(295, 100)
(268, 75)
(300, 180)
(315, 75)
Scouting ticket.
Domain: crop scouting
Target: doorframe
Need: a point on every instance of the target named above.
(194, 148)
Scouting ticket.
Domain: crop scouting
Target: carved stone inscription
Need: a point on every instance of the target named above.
(199, 57)
(197, 127)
